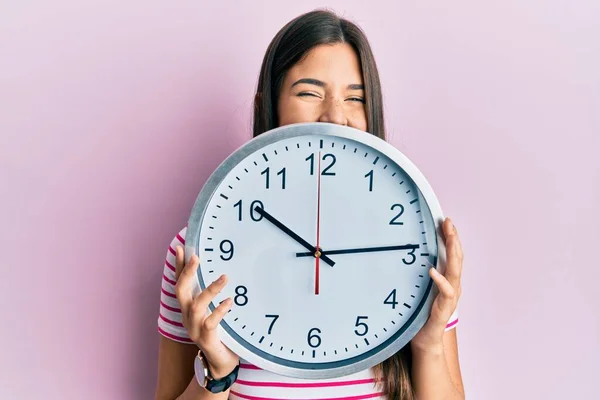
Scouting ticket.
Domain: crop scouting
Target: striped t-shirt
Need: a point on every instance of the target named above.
(254, 383)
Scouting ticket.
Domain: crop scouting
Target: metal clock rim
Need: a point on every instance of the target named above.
(325, 129)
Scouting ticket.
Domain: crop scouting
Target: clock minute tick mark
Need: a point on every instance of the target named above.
(255, 163)
(401, 182)
(211, 271)
(420, 276)
(355, 149)
(211, 227)
(406, 305)
(245, 169)
(344, 148)
(418, 211)
(394, 174)
(366, 341)
(356, 344)
(298, 145)
(414, 201)
(281, 349)
(366, 154)
(225, 197)
(385, 166)
(407, 192)
(321, 143)
(237, 177)
(218, 206)
(229, 186)
(265, 157)
(252, 334)
(208, 249)
(275, 151)
(332, 144)
(376, 159)
(425, 254)
(261, 339)
(314, 353)
(214, 216)
(417, 286)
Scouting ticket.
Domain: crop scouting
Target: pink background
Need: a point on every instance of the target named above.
(113, 114)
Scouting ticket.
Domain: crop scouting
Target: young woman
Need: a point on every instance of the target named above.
(318, 68)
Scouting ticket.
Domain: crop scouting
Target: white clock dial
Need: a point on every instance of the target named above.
(317, 316)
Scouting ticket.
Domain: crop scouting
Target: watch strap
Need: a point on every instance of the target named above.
(208, 382)
(221, 385)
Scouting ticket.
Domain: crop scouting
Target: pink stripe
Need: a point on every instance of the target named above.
(170, 308)
(451, 324)
(168, 294)
(182, 240)
(172, 251)
(170, 322)
(168, 280)
(167, 334)
(306, 385)
(172, 268)
(248, 366)
(360, 397)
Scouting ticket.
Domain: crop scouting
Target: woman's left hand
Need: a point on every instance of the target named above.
(430, 337)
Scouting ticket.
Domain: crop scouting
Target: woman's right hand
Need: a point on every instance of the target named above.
(202, 326)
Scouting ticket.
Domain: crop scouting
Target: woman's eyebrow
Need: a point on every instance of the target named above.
(356, 87)
(309, 81)
(316, 82)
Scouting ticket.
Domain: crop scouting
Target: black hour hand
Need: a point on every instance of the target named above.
(293, 235)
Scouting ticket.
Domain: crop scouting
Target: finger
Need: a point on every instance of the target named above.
(201, 302)
(454, 255)
(213, 320)
(186, 282)
(179, 261)
(447, 297)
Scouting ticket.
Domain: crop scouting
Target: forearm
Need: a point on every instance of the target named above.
(430, 375)
(195, 392)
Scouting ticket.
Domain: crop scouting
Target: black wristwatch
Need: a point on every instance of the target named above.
(205, 379)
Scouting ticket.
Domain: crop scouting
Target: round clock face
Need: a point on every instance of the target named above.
(326, 234)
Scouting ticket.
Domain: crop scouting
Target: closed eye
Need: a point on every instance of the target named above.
(304, 94)
(359, 99)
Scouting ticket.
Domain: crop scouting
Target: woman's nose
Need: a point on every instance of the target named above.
(333, 112)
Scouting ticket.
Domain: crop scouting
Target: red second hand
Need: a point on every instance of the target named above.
(318, 251)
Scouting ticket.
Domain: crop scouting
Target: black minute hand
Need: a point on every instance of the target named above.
(293, 235)
(363, 250)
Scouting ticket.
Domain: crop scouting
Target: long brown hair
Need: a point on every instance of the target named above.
(288, 47)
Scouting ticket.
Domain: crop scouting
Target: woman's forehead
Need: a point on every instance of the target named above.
(336, 64)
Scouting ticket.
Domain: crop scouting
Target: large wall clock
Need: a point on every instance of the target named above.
(326, 234)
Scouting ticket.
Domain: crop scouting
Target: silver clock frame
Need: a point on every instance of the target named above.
(326, 129)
